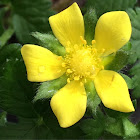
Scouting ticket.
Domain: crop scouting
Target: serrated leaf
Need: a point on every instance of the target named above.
(110, 5)
(135, 38)
(135, 72)
(128, 80)
(90, 20)
(114, 126)
(16, 92)
(130, 129)
(73, 132)
(50, 42)
(24, 129)
(9, 51)
(30, 16)
(93, 99)
(119, 61)
(49, 88)
(93, 128)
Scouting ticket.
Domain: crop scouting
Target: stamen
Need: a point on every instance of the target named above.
(83, 40)
(69, 71)
(82, 62)
(94, 50)
(59, 57)
(63, 64)
(93, 42)
(76, 78)
(87, 73)
(68, 80)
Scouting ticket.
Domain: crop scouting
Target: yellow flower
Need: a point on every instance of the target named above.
(82, 62)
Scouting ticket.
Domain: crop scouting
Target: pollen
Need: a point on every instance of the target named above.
(82, 62)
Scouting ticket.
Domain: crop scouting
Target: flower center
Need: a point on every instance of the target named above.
(82, 62)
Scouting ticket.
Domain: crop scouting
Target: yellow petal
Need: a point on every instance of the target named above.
(113, 30)
(41, 64)
(69, 104)
(113, 91)
(68, 25)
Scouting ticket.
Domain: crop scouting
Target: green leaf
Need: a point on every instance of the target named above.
(93, 128)
(49, 88)
(93, 99)
(50, 42)
(130, 129)
(3, 118)
(102, 7)
(135, 38)
(4, 1)
(16, 92)
(121, 127)
(128, 81)
(120, 61)
(24, 129)
(114, 126)
(30, 16)
(135, 72)
(2, 13)
(90, 20)
(73, 132)
(6, 36)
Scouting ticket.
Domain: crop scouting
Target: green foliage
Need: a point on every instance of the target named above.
(26, 18)
(49, 88)
(90, 19)
(93, 99)
(24, 129)
(103, 6)
(135, 72)
(73, 132)
(128, 81)
(93, 128)
(29, 16)
(2, 12)
(16, 92)
(6, 36)
(50, 42)
(3, 118)
(120, 61)
(121, 127)
(130, 129)
(135, 38)
(114, 126)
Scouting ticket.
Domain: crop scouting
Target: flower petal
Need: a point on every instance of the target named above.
(69, 104)
(113, 30)
(41, 64)
(68, 25)
(113, 91)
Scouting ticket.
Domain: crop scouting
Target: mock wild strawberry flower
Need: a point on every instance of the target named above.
(81, 63)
